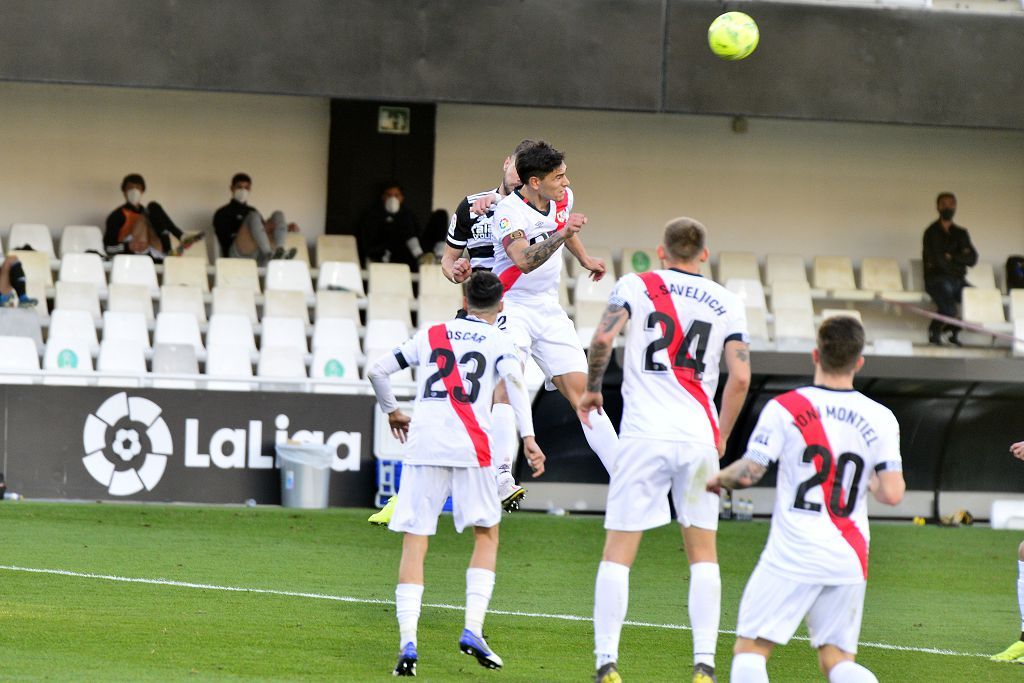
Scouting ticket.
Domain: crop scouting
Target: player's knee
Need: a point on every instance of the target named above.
(829, 656)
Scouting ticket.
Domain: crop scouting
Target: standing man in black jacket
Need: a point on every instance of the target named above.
(948, 253)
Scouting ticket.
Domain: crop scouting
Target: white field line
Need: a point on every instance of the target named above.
(375, 601)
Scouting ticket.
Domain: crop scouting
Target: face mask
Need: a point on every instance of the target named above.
(134, 196)
(392, 205)
(240, 195)
(947, 214)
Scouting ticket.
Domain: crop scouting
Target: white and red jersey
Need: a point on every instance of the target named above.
(679, 325)
(458, 370)
(827, 443)
(514, 214)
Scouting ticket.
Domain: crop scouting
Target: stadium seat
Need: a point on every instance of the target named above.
(227, 363)
(1016, 305)
(757, 328)
(575, 270)
(74, 324)
(739, 265)
(78, 239)
(34, 235)
(283, 303)
(197, 251)
(84, 268)
(984, 306)
(133, 269)
(67, 356)
(183, 299)
(892, 347)
(127, 326)
(283, 332)
(237, 272)
(179, 328)
(794, 329)
(186, 271)
(750, 292)
(336, 248)
(388, 307)
(915, 276)
(122, 361)
(588, 314)
(235, 301)
(128, 299)
(296, 241)
(78, 297)
(1018, 333)
(834, 274)
(290, 276)
(435, 310)
(38, 291)
(434, 284)
(36, 265)
(639, 260)
(344, 277)
(228, 329)
(882, 277)
(588, 290)
(390, 278)
(18, 354)
(373, 354)
(336, 367)
(330, 304)
(281, 362)
(20, 322)
(792, 294)
(336, 333)
(385, 334)
(982, 275)
(780, 267)
(174, 359)
(827, 313)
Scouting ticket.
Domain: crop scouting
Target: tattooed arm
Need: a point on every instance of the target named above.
(612, 322)
(742, 474)
(528, 256)
(737, 363)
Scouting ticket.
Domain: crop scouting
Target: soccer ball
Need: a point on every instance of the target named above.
(733, 36)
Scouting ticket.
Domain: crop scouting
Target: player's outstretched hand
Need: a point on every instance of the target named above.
(534, 456)
(597, 268)
(1018, 450)
(399, 422)
(574, 223)
(461, 270)
(482, 205)
(591, 400)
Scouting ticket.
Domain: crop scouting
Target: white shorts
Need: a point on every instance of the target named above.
(647, 470)
(773, 607)
(425, 488)
(542, 329)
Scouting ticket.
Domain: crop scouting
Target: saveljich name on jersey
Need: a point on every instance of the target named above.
(695, 293)
(462, 335)
(839, 414)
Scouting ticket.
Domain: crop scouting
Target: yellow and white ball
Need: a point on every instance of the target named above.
(733, 36)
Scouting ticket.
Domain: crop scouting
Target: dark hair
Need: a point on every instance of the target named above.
(840, 343)
(537, 160)
(387, 185)
(240, 178)
(133, 179)
(522, 147)
(945, 194)
(483, 291)
(684, 238)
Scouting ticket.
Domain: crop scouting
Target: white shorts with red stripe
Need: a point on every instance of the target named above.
(425, 488)
(647, 471)
(540, 328)
(773, 607)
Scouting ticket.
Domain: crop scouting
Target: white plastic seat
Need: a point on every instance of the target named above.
(331, 304)
(78, 297)
(336, 366)
(588, 290)
(234, 301)
(750, 292)
(827, 313)
(34, 235)
(345, 277)
(757, 327)
(183, 299)
(78, 239)
(1018, 333)
(336, 248)
(792, 294)
(179, 328)
(134, 269)
(130, 299)
(435, 310)
(296, 241)
(74, 324)
(237, 272)
(639, 260)
(373, 354)
(981, 275)
(984, 306)
(915, 276)
(290, 275)
(281, 362)
(388, 307)
(21, 322)
(336, 333)
(36, 265)
(283, 332)
(174, 359)
(390, 278)
(228, 363)
(385, 334)
(84, 268)
(794, 329)
(67, 356)
(186, 271)
(126, 326)
(228, 329)
(435, 285)
(18, 353)
(835, 275)
(37, 291)
(283, 303)
(588, 315)
(1016, 305)
(738, 265)
(882, 276)
(122, 361)
(780, 267)
(575, 269)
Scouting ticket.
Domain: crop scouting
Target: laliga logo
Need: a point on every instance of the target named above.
(138, 429)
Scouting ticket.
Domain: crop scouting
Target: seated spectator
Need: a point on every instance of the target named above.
(136, 229)
(389, 231)
(12, 280)
(242, 230)
(947, 254)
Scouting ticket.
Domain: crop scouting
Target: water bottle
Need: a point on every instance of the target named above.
(11, 495)
(726, 512)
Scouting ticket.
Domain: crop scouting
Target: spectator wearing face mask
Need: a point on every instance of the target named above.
(135, 228)
(947, 254)
(390, 231)
(244, 233)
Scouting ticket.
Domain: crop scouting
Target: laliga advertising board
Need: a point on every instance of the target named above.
(185, 446)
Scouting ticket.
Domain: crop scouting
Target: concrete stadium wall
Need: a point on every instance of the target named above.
(64, 150)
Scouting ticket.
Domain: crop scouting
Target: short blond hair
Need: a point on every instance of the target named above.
(684, 238)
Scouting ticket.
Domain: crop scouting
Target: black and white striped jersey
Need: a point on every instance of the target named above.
(471, 232)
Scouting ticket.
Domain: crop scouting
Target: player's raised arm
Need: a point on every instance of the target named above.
(737, 362)
(519, 398)
(454, 266)
(596, 266)
(612, 322)
(380, 379)
(528, 256)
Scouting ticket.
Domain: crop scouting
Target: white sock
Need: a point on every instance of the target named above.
(408, 597)
(850, 672)
(611, 598)
(503, 436)
(705, 605)
(602, 438)
(479, 587)
(1020, 592)
(748, 667)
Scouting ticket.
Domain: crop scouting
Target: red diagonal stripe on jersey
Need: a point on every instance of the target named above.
(813, 434)
(561, 206)
(438, 337)
(662, 300)
(509, 276)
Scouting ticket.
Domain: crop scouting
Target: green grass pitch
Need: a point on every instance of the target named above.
(931, 589)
